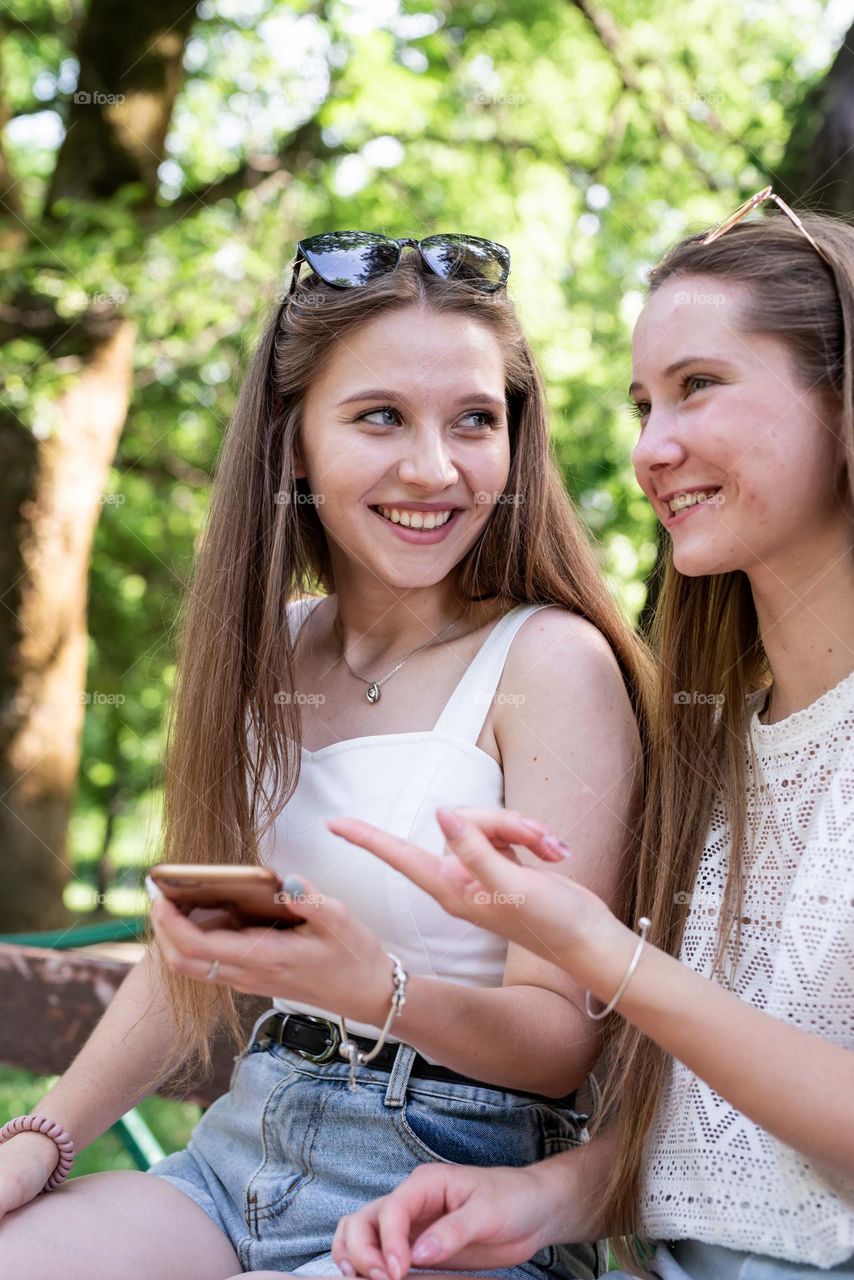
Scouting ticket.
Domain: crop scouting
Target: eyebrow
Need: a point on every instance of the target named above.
(380, 393)
(680, 364)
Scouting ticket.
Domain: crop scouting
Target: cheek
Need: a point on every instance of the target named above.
(345, 466)
(486, 464)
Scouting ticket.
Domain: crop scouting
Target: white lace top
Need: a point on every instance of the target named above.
(710, 1173)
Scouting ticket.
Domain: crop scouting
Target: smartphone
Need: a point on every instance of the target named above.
(230, 897)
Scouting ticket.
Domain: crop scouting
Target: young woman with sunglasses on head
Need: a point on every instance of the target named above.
(728, 1140)
(390, 446)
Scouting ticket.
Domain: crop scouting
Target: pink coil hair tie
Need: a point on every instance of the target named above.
(38, 1124)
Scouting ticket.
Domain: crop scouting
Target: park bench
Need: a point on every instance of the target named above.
(55, 986)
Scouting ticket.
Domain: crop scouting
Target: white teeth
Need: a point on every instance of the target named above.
(683, 500)
(416, 519)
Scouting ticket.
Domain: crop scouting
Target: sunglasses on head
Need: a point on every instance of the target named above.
(767, 193)
(348, 259)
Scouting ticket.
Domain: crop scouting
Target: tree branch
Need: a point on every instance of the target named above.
(608, 35)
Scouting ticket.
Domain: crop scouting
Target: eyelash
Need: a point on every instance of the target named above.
(489, 418)
(637, 409)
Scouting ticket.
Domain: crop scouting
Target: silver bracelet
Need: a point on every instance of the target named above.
(644, 924)
(351, 1051)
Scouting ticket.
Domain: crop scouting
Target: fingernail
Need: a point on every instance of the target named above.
(451, 824)
(294, 886)
(394, 1266)
(376, 1274)
(426, 1250)
(347, 1267)
(557, 846)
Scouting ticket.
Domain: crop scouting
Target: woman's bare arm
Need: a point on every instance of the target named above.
(571, 754)
(114, 1069)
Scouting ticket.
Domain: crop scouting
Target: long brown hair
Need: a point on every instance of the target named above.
(264, 543)
(706, 639)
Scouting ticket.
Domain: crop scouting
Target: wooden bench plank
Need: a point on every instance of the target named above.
(52, 1000)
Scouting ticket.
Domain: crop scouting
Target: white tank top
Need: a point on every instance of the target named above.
(396, 781)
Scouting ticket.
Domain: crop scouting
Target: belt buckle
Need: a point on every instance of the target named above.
(266, 1032)
(329, 1053)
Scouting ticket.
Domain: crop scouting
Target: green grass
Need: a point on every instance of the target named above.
(170, 1122)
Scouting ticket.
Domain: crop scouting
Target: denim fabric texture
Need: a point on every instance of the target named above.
(290, 1149)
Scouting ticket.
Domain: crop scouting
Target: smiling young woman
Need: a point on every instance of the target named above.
(340, 654)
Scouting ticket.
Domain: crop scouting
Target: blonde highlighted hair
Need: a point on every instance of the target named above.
(259, 550)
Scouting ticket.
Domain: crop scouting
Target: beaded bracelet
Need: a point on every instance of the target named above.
(38, 1124)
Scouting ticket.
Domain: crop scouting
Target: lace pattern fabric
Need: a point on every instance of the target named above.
(711, 1174)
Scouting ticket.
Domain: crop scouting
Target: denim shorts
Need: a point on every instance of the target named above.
(693, 1260)
(279, 1159)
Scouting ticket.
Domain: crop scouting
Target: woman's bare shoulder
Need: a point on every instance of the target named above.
(551, 636)
(562, 671)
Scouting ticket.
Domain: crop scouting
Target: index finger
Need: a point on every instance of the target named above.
(355, 1242)
(421, 868)
(508, 827)
(390, 1222)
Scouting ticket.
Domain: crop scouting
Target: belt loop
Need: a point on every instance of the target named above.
(399, 1076)
(257, 1025)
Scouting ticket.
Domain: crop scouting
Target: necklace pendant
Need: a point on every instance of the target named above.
(373, 693)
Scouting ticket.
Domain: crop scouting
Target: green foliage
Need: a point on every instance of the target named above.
(170, 1122)
(587, 153)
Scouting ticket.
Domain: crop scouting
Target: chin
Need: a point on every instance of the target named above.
(704, 561)
(404, 580)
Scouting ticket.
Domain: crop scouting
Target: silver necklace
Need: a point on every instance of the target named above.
(373, 691)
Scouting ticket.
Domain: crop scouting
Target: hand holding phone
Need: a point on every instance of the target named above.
(223, 897)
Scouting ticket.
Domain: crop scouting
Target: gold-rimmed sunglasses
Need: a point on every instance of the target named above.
(767, 193)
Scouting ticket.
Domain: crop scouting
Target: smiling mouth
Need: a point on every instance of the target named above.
(684, 501)
(425, 520)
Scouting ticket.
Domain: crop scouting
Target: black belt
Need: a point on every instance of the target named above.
(317, 1040)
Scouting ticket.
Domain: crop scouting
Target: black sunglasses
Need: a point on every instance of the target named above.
(347, 259)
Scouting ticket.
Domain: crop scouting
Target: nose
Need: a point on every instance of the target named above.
(427, 463)
(659, 447)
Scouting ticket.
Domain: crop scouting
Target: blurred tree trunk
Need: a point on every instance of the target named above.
(817, 169)
(130, 74)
